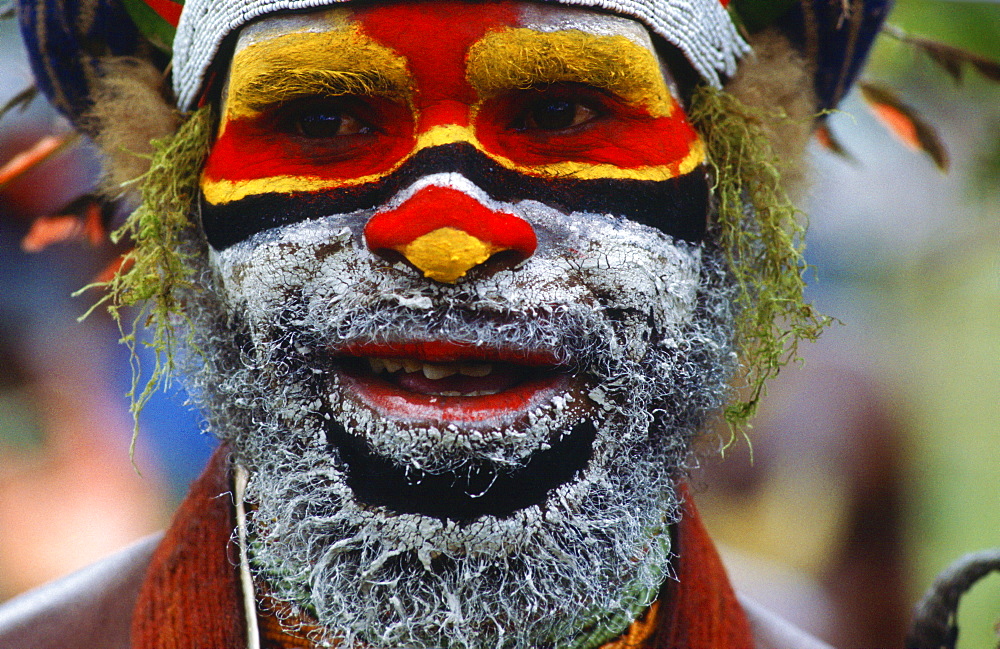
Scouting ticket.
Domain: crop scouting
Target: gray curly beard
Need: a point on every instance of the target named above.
(574, 568)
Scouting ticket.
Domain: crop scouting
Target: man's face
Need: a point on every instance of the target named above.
(470, 326)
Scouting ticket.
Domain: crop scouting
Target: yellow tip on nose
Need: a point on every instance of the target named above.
(446, 254)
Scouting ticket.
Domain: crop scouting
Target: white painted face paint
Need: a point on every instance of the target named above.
(638, 324)
(422, 565)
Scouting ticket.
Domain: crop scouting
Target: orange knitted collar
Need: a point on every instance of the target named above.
(191, 595)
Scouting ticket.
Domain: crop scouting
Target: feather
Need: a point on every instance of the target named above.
(905, 123)
(119, 264)
(85, 218)
(47, 230)
(952, 59)
(827, 140)
(38, 153)
(20, 100)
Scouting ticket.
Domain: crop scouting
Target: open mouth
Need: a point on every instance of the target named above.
(468, 389)
(447, 383)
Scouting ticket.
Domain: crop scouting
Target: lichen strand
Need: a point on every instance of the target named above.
(761, 235)
(157, 271)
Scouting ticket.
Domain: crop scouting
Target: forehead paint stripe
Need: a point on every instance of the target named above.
(677, 207)
(331, 63)
(434, 38)
(525, 58)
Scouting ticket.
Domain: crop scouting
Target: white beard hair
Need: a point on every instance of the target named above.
(591, 555)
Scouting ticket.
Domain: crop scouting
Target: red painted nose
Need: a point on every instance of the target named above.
(446, 233)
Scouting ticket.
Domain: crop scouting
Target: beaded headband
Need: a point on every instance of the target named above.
(701, 29)
(67, 40)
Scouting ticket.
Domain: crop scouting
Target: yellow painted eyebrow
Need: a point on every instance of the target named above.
(521, 58)
(330, 63)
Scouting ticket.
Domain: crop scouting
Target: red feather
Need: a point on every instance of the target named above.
(38, 153)
(905, 123)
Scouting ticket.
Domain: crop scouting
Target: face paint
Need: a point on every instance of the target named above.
(583, 112)
(468, 332)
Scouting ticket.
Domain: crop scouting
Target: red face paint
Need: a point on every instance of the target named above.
(343, 116)
(434, 38)
(620, 135)
(436, 207)
(269, 145)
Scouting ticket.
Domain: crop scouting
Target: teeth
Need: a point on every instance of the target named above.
(380, 365)
(477, 369)
(435, 372)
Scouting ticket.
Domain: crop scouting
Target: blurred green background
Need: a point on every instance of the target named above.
(875, 462)
(922, 264)
(943, 302)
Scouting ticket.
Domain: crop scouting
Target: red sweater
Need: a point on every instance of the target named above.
(191, 595)
(183, 592)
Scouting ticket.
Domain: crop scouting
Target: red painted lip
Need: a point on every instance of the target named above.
(439, 351)
(543, 380)
(503, 407)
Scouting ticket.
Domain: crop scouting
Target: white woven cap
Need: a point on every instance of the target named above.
(701, 29)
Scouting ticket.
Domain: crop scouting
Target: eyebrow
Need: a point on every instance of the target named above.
(314, 63)
(522, 58)
(277, 86)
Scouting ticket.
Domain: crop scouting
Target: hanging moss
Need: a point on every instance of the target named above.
(156, 271)
(761, 235)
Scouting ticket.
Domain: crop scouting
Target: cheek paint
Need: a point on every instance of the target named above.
(625, 138)
(637, 123)
(677, 206)
(261, 147)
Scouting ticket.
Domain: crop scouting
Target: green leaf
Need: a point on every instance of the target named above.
(156, 30)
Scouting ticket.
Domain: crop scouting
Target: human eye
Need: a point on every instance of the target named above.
(556, 110)
(319, 118)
